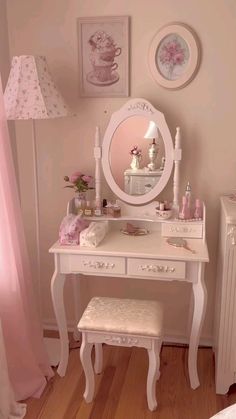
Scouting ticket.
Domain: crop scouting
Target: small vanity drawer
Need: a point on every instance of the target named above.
(182, 229)
(156, 268)
(107, 265)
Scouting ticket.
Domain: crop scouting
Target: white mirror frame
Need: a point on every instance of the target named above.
(141, 107)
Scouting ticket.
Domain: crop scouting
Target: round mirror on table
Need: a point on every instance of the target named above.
(137, 152)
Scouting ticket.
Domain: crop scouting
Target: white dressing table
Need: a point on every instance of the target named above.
(147, 257)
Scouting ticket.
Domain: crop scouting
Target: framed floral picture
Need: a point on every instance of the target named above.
(174, 56)
(103, 44)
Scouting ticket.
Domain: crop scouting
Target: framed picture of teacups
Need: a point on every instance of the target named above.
(174, 56)
(103, 44)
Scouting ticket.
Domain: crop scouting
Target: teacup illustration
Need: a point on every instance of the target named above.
(103, 73)
(103, 53)
(109, 54)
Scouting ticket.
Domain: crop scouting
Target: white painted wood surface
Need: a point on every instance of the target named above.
(151, 250)
(176, 177)
(120, 337)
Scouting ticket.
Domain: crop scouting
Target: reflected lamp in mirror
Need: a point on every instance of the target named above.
(152, 133)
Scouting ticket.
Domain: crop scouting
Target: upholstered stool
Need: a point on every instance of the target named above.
(121, 322)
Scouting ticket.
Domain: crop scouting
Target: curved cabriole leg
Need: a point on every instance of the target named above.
(85, 357)
(200, 300)
(57, 287)
(98, 358)
(159, 345)
(153, 371)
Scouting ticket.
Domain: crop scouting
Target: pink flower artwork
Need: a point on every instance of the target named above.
(173, 55)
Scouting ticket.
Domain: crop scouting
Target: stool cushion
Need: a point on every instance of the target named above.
(136, 317)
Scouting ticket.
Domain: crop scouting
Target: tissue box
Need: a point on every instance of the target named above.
(94, 234)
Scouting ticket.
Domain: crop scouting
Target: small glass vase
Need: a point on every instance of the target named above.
(135, 162)
(80, 202)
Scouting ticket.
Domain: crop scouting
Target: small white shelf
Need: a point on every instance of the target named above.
(142, 218)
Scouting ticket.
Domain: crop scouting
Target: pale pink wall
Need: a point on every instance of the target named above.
(204, 109)
(4, 45)
(5, 67)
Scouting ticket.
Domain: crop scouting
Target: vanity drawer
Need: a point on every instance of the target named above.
(89, 263)
(156, 267)
(182, 229)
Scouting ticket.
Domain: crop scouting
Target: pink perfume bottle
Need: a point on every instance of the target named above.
(185, 210)
(198, 210)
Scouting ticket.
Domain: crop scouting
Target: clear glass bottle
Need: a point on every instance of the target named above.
(88, 211)
(97, 209)
(188, 194)
(116, 210)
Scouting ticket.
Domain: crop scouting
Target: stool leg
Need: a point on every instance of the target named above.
(85, 357)
(159, 344)
(153, 370)
(98, 358)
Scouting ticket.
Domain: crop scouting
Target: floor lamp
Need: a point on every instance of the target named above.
(31, 94)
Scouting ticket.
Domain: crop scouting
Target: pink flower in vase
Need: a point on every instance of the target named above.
(79, 182)
(74, 177)
(87, 178)
(135, 151)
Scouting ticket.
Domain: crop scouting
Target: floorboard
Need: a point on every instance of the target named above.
(121, 388)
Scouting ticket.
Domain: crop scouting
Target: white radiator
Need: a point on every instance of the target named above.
(225, 303)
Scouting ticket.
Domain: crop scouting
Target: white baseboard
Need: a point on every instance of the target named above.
(183, 340)
(50, 324)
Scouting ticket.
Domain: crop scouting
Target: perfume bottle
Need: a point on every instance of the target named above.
(198, 210)
(88, 211)
(97, 208)
(104, 207)
(116, 210)
(188, 195)
(184, 212)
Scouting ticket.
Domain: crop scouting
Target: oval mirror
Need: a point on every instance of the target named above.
(137, 152)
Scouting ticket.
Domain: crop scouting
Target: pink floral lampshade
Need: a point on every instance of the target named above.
(30, 92)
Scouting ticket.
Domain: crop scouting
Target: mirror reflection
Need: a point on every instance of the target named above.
(137, 155)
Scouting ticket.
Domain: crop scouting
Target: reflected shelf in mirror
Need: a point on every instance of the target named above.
(140, 181)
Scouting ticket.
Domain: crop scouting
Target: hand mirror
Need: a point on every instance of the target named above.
(179, 242)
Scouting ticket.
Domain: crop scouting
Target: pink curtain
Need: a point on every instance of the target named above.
(28, 364)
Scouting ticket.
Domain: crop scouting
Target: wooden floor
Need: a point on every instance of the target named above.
(121, 391)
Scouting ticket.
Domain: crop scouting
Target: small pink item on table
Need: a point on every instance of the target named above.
(70, 229)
